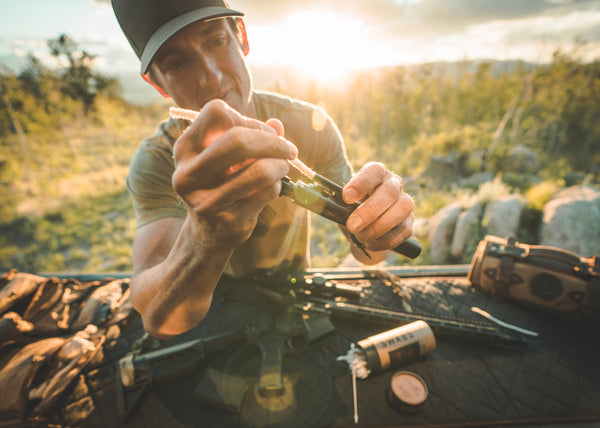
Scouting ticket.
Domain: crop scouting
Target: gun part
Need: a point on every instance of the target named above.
(439, 324)
(137, 372)
(280, 334)
(323, 197)
(168, 363)
(316, 284)
(503, 323)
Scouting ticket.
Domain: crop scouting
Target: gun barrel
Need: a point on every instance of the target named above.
(439, 324)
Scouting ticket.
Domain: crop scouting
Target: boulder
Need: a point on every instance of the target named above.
(466, 232)
(571, 221)
(420, 227)
(441, 232)
(523, 160)
(443, 170)
(501, 217)
(475, 180)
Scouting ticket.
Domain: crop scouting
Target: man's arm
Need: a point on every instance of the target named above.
(173, 280)
(227, 168)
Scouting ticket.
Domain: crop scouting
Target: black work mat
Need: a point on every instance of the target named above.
(554, 379)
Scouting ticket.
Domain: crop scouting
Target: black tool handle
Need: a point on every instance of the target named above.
(410, 248)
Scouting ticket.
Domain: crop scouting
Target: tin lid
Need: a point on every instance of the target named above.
(407, 392)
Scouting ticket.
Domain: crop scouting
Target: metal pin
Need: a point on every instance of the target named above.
(502, 323)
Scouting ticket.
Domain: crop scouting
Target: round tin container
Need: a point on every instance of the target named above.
(406, 393)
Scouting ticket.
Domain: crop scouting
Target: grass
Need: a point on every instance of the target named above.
(92, 234)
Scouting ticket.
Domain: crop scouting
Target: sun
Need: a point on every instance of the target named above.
(321, 44)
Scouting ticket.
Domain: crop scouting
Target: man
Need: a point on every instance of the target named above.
(206, 199)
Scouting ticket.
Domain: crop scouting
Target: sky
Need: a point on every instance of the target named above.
(325, 39)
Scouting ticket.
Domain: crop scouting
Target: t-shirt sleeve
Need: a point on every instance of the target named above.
(333, 161)
(323, 147)
(149, 184)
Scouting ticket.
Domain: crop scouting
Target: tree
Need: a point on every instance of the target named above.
(79, 81)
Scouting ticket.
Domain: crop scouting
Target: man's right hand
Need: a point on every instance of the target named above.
(227, 168)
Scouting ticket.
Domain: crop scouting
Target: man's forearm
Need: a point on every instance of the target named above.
(175, 294)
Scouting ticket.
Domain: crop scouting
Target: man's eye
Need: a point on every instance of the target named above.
(174, 64)
(218, 42)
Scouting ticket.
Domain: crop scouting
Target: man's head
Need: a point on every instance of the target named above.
(147, 24)
(191, 50)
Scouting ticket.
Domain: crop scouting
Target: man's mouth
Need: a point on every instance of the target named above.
(223, 95)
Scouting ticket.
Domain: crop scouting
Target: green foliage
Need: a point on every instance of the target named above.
(65, 207)
(493, 190)
(404, 115)
(428, 202)
(39, 97)
(78, 80)
(542, 193)
(64, 153)
(328, 245)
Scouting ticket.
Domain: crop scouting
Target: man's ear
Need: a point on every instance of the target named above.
(146, 77)
(243, 38)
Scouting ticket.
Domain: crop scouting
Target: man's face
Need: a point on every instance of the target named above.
(204, 61)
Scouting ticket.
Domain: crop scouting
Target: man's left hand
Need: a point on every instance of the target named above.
(385, 216)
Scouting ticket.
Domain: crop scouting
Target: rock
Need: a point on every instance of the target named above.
(575, 178)
(476, 180)
(571, 221)
(466, 232)
(420, 227)
(523, 160)
(441, 232)
(443, 170)
(501, 217)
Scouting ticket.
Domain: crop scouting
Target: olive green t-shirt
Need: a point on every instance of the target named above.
(281, 238)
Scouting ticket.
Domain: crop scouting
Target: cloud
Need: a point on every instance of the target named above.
(436, 16)
(443, 29)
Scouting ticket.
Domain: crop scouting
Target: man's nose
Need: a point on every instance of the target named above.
(208, 71)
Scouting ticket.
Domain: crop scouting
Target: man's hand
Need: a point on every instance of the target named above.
(385, 217)
(227, 168)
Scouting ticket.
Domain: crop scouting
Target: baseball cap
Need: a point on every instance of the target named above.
(148, 24)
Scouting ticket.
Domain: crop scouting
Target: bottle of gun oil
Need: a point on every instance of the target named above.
(391, 348)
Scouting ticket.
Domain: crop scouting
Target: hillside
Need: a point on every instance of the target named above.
(63, 159)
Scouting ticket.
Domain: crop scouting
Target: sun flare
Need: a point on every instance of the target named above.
(321, 44)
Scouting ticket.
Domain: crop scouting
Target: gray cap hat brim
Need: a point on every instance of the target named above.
(162, 34)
